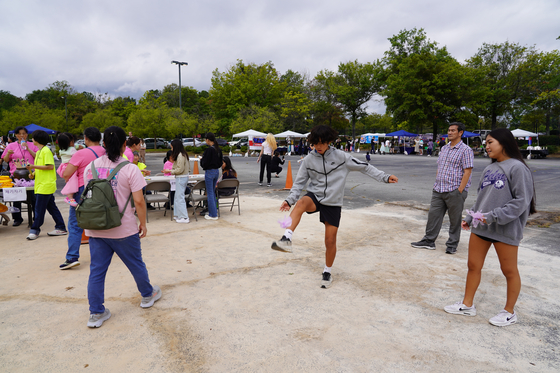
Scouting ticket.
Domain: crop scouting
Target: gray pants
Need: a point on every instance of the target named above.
(453, 203)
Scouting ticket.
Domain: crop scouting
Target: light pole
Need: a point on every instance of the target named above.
(66, 110)
(179, 64)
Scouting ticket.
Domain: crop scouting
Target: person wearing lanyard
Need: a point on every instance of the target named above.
(22, 152)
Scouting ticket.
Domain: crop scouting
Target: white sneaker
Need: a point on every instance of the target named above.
(32, 236)
(459, 308)
(183, 220)
(504, 318)
(57, 232)
(208, 217)
(326, 281)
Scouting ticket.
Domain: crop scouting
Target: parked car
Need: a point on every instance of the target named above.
(190, 141)
(482, 133)
(222, 142)
(242, 142)
(235, 142)
(160, 143)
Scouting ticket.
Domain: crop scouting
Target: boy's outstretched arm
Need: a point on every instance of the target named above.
(285, 206)
(393, 179)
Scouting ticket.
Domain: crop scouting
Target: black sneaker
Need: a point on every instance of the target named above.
(424, 244)
(285, 244)
(451, 251)
(69, 263)
(326, 281)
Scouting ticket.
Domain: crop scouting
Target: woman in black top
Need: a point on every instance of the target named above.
(276, 162)
(211, 163)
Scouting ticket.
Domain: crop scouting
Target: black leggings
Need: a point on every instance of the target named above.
(265, 161)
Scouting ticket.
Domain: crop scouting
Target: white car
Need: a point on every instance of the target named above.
(189, 141)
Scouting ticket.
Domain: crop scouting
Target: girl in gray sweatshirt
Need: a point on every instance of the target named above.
(505, 201)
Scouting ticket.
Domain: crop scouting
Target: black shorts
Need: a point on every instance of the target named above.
(329, 214)
(486, 238)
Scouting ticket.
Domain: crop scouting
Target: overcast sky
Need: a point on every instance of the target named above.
(125, 47)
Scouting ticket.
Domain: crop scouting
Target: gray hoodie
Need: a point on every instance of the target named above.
(327, 176)
(505, 192)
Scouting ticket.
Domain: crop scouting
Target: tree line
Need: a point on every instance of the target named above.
(422, 85)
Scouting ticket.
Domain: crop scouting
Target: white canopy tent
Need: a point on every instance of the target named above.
(289, 134)
(523, 133)
(251, 133)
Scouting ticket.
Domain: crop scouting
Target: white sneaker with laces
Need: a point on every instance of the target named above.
(459, 308)
(326, 281)
(504, 318)
(32, 236)
(147, 302)
(183, 220)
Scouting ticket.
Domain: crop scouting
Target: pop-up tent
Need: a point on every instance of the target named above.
(523, 133)
(32, 127)
(401, 133)
(248, 133)
(252, 135)
(293, 134)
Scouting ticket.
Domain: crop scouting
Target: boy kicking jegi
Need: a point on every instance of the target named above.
(326, 169)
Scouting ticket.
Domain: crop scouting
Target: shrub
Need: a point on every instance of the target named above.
(244, 149)
(549, 140)
(555, 132)
(552, 149)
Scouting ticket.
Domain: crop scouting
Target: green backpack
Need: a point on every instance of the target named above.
(98, 208)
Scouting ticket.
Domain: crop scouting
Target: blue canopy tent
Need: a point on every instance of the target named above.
(403, 133)
(32, 127)
(466, 135)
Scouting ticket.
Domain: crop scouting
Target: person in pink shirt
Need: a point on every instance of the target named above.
(77, 165)
(21, 153)
(123, 240)
(132, 145)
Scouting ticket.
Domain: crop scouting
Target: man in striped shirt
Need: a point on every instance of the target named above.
(455, 164)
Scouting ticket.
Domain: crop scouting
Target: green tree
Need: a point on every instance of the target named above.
(101, 119)
(258, 118)
(543, 85)
(355, 85)
(151, 118)
(241, 86)
(502, 77)
(325, 109)
(423, 84)
(26, 113)
(295, 109)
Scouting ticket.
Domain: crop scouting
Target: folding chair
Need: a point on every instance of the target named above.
(161, 187)
(229, 183)
(197, 199)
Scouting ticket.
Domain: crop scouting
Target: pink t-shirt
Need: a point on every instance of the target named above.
(82, 158)
(19, 153)
(168, 166)
(129, 154)
(128, 179)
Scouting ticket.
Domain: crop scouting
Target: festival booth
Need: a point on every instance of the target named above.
(368, 138)
(531, 150)
(32, 127)
(402, 133)
(256, 138)
(288, 135)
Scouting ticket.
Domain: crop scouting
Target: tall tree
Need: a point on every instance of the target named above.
(423, 83)
(502, 77)
(241, 86)
(356, 83)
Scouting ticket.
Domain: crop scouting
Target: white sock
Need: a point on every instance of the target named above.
(288, 234)
(327, 269)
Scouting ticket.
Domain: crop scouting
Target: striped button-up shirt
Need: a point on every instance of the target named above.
(452, 162)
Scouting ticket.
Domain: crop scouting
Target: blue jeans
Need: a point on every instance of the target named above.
(74, 232)
(180, 205)
(44, 203)
(129, 251)
(211, 178)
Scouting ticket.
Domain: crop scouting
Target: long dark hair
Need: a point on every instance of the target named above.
(229, 167)
(133, 140)
(510, 148)
(210, 136)
(113, 139)
(178, 148)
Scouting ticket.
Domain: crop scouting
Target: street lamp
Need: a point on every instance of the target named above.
(66, 110)
(179, 64)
